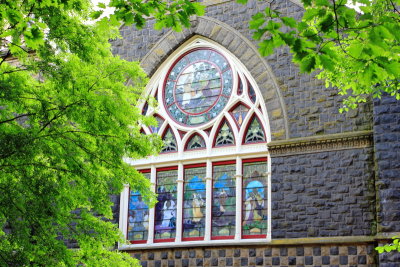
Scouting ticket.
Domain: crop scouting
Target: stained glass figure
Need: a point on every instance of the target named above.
(165, 209)
(169, 142)
(225, 135)
(254, 199)
(160, 121)
(138, 216)
(224, 200)
(252, 93)
(198, 87)
(196, 142)
(194, 202)
(239, 114)
(255, 133)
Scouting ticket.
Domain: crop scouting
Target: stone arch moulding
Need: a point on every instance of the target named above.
(221, 33)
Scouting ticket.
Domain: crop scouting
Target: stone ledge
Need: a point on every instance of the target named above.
(323, 240)
(321, 143)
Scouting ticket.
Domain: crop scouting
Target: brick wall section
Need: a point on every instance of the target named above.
(387, 157)
(323, 194)
(311, 108)
(361, 255)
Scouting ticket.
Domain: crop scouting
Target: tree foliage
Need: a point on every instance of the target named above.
(68, 117)
(395, 246)
(358, 52)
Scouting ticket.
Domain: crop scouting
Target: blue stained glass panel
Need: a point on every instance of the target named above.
(254, 198)
(165, 209)
(138, 216)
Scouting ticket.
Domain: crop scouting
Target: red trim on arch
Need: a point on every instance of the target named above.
(190, 138)
(225, 237)
(254, 116)
(144, 171)
(219, 128)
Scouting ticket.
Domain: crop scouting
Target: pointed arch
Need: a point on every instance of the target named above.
(160, 121)
(239, 113)
(224, 135)
(244, 50)
(254, 131)
(169, 139)
(195, 141)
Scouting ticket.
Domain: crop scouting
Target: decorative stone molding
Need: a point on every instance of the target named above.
(239, 46)
(321, 143)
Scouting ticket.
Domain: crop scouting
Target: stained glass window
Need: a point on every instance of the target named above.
(224, 200)
(165, 209)
(156, 128)
(138, 217)
(239, 114)
(254, 199)
(198, 87)
(196, 142)
(240, 87)
(225, 135)
(252, 93)
(194, 203)
(255, 132)
(169, 142)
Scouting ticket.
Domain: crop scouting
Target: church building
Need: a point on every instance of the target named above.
(258, 167)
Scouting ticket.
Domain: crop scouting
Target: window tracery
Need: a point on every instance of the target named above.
(215, 185)
(225, 135)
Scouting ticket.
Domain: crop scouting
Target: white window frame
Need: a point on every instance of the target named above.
(182, 157)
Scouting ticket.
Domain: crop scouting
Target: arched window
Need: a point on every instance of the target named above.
(212, 176)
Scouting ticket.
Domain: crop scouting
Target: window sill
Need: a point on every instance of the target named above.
(204, 243)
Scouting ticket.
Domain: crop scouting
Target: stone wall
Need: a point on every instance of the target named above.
(387, 158)
(352, 254)
(323, 194)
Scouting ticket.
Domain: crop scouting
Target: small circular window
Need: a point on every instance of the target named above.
(198, 86)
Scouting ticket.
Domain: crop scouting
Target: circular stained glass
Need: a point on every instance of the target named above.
(198, 86)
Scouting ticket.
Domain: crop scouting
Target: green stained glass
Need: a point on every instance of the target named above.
(169, 142)
(255, 132)
(225, 135)
(224, 200)
(196, 142)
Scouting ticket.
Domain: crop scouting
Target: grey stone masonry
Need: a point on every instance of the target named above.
(323, 194)
(387, 158)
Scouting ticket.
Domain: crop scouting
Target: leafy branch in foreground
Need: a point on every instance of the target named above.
(68, 117)
(359, 53)
(390, 247)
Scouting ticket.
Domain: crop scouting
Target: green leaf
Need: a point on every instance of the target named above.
(327, 62)
(288, 21)
(101, 5)
(307, 64)
(266, 47)
(242, 1)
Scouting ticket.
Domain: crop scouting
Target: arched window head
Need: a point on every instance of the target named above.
(195, 142)
(212, 175)
(225, 135)
(255, 132)
(169, 142)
